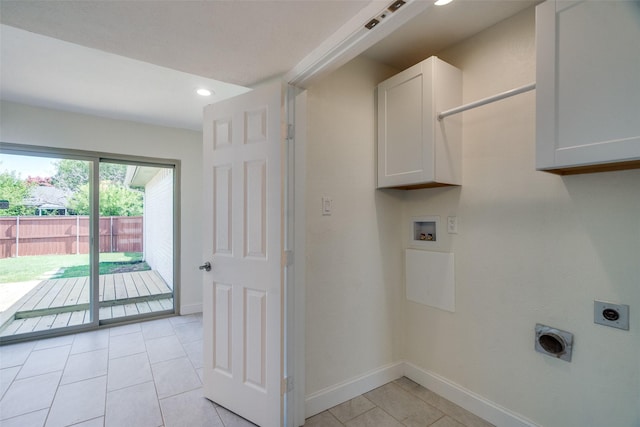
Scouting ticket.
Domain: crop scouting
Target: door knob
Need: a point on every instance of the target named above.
(206, 266)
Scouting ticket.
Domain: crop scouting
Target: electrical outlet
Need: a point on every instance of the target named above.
(609, 314)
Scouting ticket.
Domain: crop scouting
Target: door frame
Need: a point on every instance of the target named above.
(95, 158)
(295, 307)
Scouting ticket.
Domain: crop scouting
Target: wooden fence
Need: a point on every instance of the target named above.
(60, 235)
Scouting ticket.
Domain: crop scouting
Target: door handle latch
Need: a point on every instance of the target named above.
(206, 266)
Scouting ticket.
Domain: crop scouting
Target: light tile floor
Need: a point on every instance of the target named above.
(142, 374)
(401, 403)
(150, 374)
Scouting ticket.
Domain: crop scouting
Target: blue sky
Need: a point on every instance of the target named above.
(26, 166)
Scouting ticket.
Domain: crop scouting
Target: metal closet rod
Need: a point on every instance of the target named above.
(487, 100)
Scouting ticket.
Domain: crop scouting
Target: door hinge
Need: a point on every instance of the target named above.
(287, 385)
(288, 258)
(290, 132)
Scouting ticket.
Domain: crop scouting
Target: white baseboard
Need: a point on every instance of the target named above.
(190, 309)
(467, 399)
(472, 402)
(342, 392)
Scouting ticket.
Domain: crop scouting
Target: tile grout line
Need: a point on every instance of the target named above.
(195, 322)
(106, 383)
(153, 378)
(59, 380)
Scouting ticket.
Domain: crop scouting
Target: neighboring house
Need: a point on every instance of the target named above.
(158, 216)
(47, 200)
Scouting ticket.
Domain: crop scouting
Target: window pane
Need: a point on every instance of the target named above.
(44, 244)
(136, 240)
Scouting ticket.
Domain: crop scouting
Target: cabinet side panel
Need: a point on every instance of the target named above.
(447, 89)
(545, 85)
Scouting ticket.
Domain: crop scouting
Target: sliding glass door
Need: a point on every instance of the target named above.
(136, 240)
(44, 245)
(85, 240)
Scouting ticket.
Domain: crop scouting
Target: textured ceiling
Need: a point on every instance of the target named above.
(142, 60)
(47, 72)
(241, 42)
(441, 27)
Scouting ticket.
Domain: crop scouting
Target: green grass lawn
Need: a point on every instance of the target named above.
(26, 268)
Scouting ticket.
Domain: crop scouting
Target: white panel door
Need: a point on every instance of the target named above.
(242, 307)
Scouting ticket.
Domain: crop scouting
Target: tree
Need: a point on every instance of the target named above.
(14, 190)
(115, 200)
(72, 174)
(39, 180)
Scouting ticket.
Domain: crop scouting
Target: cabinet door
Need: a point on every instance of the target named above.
(588, 87)
(405, 128)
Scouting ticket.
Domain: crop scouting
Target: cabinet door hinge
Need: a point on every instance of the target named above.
(290, 132)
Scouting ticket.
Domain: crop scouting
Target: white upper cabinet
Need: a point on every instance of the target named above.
(415, 150)
(587, 86)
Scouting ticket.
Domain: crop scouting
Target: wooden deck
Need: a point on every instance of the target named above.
(58, 303)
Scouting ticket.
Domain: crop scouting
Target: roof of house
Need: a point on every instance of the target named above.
(48, 197)
(139, 176)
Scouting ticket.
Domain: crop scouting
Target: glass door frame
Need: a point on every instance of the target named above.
(143, 161)
(94, 159)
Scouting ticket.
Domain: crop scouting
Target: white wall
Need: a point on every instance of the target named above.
(52, 128)
(532, 248)
(158, 224)
(353, 258)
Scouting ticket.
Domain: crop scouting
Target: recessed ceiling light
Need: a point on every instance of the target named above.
(442, 2)
(203, 92)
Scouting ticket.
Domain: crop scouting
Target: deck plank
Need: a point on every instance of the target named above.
(12, 327)
(51, 295)
(109, 291)
(134, 287)
(141, 286)
(120, 289)
(64, 292)
(105, 313)
(74, 294)
(44, 322)
(101, 280)
(85, 292)
(155, 305)
(78, 317)
(117, 311)
(61, 320)
(27, 326)
(167, 303)
(130, 309)
(162, 285)
(154, 289)
(143, 307)
(130, 286)
(44, 288)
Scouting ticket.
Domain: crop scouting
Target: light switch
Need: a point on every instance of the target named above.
(452, 225)
(326, 206)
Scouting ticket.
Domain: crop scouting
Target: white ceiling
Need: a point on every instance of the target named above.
(240, 42)
(440, 27)
(142, 60)
(46, 72)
